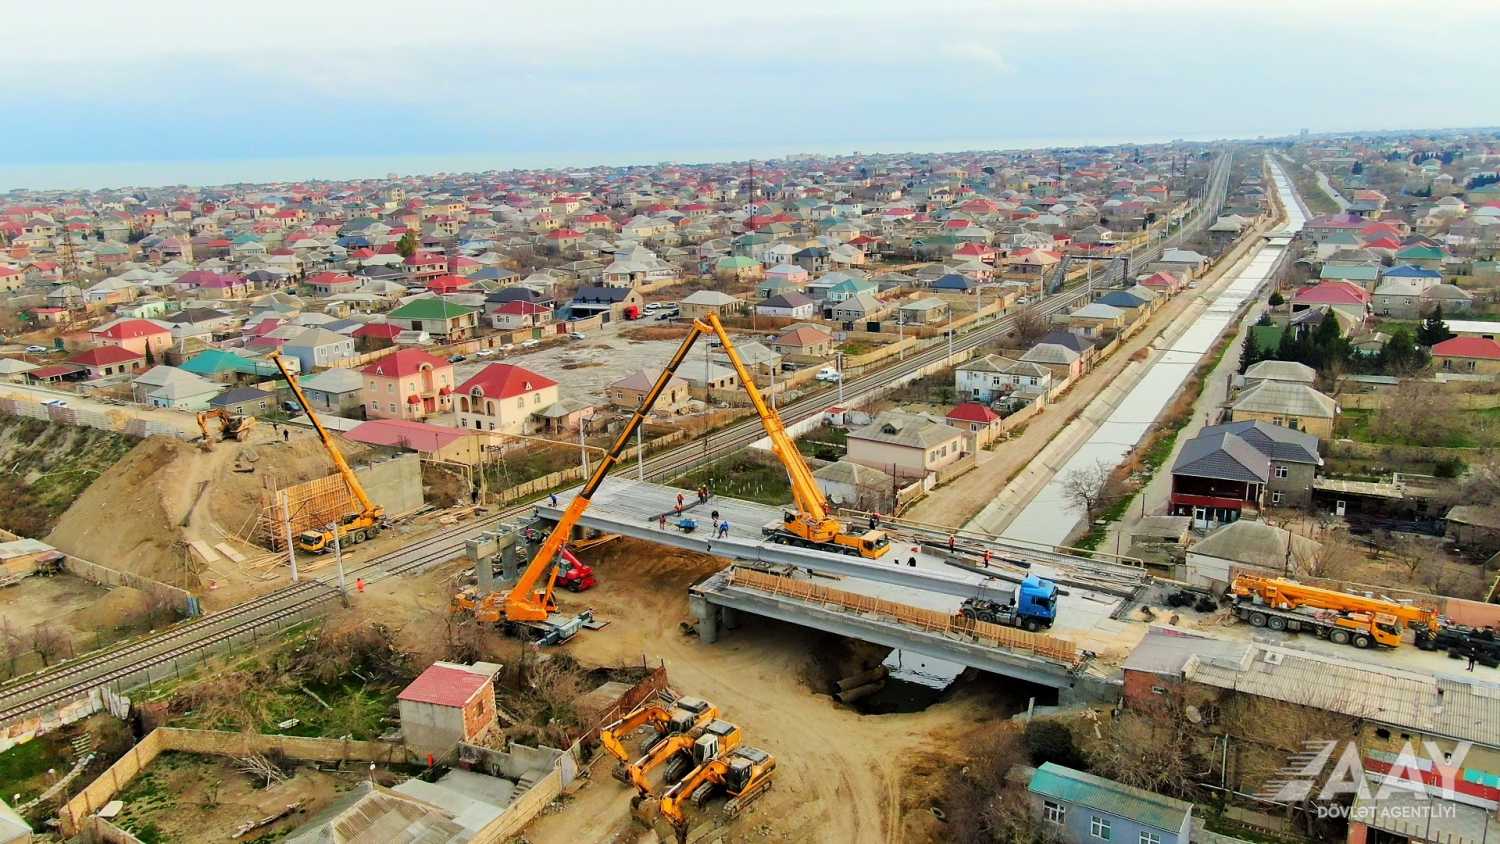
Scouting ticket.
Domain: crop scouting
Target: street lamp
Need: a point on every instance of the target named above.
(838, 362)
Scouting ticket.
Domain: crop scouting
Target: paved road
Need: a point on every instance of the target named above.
(1333, 192)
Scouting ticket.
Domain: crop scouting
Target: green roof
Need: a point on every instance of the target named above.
(1144, 807)
(215, 361)
(1352, 272)
(735, 262)
(1420, 252)
(430, 308)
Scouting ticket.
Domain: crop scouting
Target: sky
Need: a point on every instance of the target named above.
(97, 89)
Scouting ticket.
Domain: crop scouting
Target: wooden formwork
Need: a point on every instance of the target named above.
(1060, 650)
(313, 504)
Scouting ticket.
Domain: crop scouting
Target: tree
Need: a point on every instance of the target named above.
(1276, 299)
(1029, 326)
(1331, 556)
(1249, 353)
(1400, 355)
(150, 357)
(408, 244)
(1084, 487)
(49, 643)
(1433, 329)
(1357, 169)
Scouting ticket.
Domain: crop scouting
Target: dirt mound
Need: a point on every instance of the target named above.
(123, 606)
(234, 498)
(122, 521)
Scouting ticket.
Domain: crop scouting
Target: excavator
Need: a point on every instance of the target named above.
(745, 773)
(687, 715)
(1339, 617)
(683, 751)
(231, 426)
(353, 528)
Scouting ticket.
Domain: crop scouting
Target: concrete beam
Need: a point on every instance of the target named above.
(716, 592)
(842, 565)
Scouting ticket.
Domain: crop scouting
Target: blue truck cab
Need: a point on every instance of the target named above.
(1030, 606)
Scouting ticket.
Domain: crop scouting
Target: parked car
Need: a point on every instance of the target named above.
(55, 403)
(830, 374)
(508, 347)
(577, 335)
(653, 306)
(458, 359)
(484, 353)
(531, 344)
(37, 350)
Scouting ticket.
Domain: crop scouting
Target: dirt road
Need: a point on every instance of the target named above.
(840, 776)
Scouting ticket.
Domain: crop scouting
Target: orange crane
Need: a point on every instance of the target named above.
(1340, 617)
(745, 773)
(353, 528)
(811, 526)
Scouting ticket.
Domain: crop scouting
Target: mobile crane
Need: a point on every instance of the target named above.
(531, 601)
(1339, 617)
(811, 526)
(745, 773)
(353, 528)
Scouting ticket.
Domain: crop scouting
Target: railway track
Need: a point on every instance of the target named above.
(28, 695)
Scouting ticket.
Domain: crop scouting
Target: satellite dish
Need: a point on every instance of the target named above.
(1193, 714)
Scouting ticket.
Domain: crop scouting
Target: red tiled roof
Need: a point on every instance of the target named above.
(404, 362)
(1468, 347)
(132, 328)
(504, 380)
(386, 330)
(440, 684)
(563, 234)
(1333, 293)
(331, 278)
(973, 411)
(54, 370)
(103, 356)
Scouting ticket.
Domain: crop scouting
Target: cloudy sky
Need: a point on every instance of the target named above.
(568, 82)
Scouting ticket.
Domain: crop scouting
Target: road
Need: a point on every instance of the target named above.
(122, 666)
(1333, 192)
(1050, 516)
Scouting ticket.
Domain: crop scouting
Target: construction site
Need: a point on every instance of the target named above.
(278, 633)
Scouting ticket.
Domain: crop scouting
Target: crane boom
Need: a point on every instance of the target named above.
(527, 602)
(352, 480)
(805, 490)
(1279, 592)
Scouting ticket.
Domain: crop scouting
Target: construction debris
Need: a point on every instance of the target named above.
(248, 826)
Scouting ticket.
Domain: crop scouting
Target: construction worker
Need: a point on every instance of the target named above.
(723, 528)
(986, 558)
(662, 521)
(952, 544)
(716, 521)
(552, 499)
(359, 584)
(286, 435)
(680, 500)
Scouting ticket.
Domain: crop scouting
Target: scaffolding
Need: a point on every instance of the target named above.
(312, 505)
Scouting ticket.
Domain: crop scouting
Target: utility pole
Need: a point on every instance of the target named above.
(583, 451)
(338, 555)
(640, 454)
(838, 362)
(900, 334)
(286, 525)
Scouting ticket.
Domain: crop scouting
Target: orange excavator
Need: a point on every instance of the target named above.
(1339, 617)
(687, 717)
(232, 426)
(684, 751)
(745, 773)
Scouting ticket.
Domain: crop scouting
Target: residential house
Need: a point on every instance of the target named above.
(170, 387)
(1287, 371)
(1080, 808)
(705, 302)
(519, 315)
(628, 392)
(502, 397)
(854, 485)
(610, 302)
(336, 392)
(905, 444)
(928, 311)
(422, 267)
(104, 361)
(443, 320)
(1399, 298)
(136, 335)
(1181, 260)
(706, 377)
(863, 308)
(316, 348)
(1295, 406)
(1345, 297)
(993, 377)
(754, 356)
(245, 401)
(1096, 319)
(1065, 354)
(1217, 476)
(977, 420)
(407, 384)
(790, 304)
(804, 342)
(1478, 355)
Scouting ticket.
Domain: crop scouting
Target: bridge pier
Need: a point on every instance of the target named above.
(729, 618)
(708, 618)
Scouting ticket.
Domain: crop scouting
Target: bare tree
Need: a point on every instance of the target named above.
(1029, 326)
(1332, 556)
(12, 644)
(1084, 487)
(49, 643)
(1409, 552)
(1159, 747)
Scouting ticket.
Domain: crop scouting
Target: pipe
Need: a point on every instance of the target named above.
(859, 692)
(879, 672)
